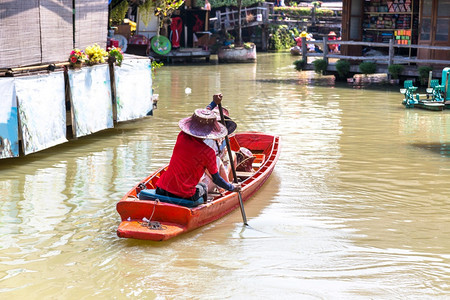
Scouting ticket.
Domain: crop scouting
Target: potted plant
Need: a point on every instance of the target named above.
(342, 68)
(320, 66)
(299, 64)
(95, 54)
(368, 67)
(115, 55)
(424, 72)
(395, 71)
(77, 58)
(229, 39)
(241, 52)
(249, 45)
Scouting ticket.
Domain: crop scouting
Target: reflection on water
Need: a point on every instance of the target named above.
(356, 208)
(442, 149)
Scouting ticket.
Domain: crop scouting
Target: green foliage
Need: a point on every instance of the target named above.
(118, 13)
(116, 55)
(280, 37)
(368, 67)
(298, 12)
(146, 10)
(249, 45)
(424, 72)
(320, 66)
(155, 66)
(299, 64)
(227, 3)
(163, 9)
(343, 68)
(395, 70)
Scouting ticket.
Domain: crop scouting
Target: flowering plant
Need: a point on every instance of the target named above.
(116, 54)
(77, 57)
(96, 54)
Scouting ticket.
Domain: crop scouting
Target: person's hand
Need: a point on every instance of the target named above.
(217, 98)
(237, 187)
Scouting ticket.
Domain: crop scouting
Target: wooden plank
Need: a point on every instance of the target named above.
(244, 174)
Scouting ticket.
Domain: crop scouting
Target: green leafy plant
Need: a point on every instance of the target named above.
(395, 70)
(343, 68)
(118, 12)
(165, 8)
(229, 36)
(368, 67)
(299, 64)
(155, 66)
(280, 37)
(225, 3)
(116, 55)
(424, 72)
(320, 66)
(298, 12)
(146, 10)
(248, 45)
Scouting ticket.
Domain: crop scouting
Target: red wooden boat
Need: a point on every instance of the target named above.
(156, 220)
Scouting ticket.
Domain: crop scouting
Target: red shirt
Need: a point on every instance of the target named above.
(189, 160)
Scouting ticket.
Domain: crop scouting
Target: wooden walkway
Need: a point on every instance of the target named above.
(250, 16)
(383, 62)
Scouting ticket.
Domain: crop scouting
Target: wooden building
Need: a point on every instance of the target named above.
(416, 22)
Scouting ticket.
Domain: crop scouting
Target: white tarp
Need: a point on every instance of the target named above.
(91, 98)
(42, 111)
(133, 89)
(9, 139)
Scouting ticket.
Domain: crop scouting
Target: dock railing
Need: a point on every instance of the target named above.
(250, 16)
(385, 59)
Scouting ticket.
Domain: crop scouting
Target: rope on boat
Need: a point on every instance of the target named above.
(154, 225)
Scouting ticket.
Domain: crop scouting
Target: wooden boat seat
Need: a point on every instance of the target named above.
(259, 159)
(244, 175)
(151, 195)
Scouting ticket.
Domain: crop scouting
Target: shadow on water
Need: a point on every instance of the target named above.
(376, 85)
(440, 148)
(320, 81)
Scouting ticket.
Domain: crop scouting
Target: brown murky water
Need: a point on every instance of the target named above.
(358, 205)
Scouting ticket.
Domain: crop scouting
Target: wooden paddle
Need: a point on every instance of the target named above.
(233, 169)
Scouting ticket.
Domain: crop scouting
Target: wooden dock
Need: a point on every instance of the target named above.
(383, 62)
(184, 55)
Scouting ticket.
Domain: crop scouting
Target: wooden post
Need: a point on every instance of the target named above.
(391, 52)
(430, 76)
(313, 15)
(264, 38)
(69, 104)
(112, 79)
(219, 20)
(304, 50)
(239, 39)
(325, 48)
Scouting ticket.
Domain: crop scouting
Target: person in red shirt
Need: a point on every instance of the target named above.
(191, 157)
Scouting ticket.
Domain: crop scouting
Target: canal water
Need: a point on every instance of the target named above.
(358, 205)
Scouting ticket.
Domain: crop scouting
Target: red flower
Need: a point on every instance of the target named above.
(73, 59)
